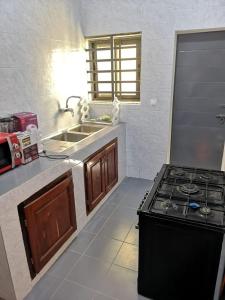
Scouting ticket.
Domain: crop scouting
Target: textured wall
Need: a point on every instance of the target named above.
(40, 61)
(147, 125)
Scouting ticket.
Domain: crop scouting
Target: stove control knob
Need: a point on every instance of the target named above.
(146, 194)
(142, 202)
(15, 146)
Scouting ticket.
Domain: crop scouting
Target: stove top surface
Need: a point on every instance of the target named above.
(194, 195)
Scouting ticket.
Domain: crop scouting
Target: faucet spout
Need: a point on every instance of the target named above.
(67, 105)
(67, 100)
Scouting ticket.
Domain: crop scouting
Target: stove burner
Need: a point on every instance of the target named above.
(166, 204)
(190, 194)
(206, 176)
(178, 172)
(205, 210)
(189, 188)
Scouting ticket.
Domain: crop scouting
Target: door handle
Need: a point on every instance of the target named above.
(221, 118)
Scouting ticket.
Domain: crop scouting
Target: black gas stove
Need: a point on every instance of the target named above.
(194, 195)
(181, 235)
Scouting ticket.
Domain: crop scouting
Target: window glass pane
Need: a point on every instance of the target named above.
(128, 53)
(104, 54)
(128, 64)
(128, 87)
(119, 65)
(104, 76)
(128, 76)
(104, 87)
(104, 65)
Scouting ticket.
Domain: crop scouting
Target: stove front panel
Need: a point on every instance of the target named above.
(177, 261)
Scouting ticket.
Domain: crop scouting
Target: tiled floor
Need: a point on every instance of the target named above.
(101, 263)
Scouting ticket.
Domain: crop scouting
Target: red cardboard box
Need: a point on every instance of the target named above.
(23, 119)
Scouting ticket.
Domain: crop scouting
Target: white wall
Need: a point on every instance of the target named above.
(40, 61)
(148, 126)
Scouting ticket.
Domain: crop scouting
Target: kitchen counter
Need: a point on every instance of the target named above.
(19, 184)
(77, 153)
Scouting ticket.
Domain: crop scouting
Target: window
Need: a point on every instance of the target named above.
(114, 67)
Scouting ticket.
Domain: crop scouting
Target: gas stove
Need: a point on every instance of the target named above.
(182, 235)
(194, 195)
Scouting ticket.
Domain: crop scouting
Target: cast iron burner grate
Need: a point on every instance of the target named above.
(178, 172)
(206, 176)
(188, 188)
(195, 195)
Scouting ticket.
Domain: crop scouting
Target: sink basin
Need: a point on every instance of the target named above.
(87, 128)
(69, 137)
(56, 145)
(65, 140)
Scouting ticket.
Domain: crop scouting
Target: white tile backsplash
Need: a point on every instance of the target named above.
(148, 127)
(41, 59)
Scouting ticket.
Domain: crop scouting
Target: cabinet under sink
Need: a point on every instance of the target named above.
(47, 220)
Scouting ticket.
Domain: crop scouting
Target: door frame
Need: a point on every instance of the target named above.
(178, 32)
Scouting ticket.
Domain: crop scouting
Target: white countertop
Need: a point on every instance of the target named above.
(24, 181)
(20, 175)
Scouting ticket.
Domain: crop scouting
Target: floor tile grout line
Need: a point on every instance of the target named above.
(83, 254)
(97, 234)
(88, 288)
(116, 207)
(89, 245)
(94, 238)
(77, 261)
(106, 220)
(61, 283)
(97, 258)
(120, 248)
(125, 268)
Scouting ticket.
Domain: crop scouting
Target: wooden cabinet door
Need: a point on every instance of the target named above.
(111, 166)
(50, 220)
(95, 183)
(101, 174)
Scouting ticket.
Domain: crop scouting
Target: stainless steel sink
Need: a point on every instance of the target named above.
(69, 137)
(65, 140)
(87, 128)
(56, 145)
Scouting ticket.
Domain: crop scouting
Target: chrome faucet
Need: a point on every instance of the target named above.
(67, 106)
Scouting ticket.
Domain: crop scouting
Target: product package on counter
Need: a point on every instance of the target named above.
(23, 119)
